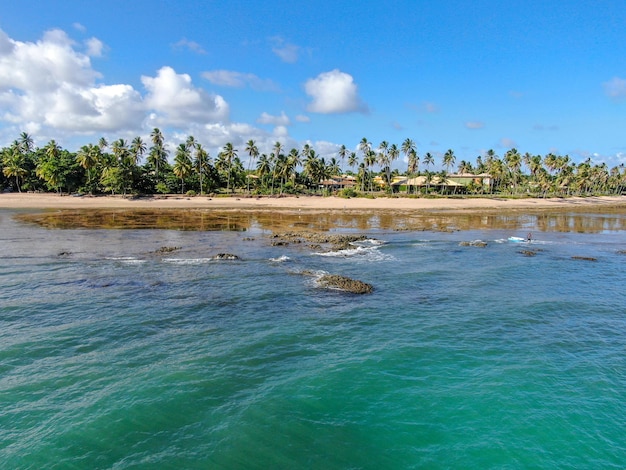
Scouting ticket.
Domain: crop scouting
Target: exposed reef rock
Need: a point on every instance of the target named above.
(584, 258)
(478, 243)
(335, 242)
(334, 281)
(226, 256)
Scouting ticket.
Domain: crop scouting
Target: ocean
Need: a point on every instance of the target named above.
(118, 354)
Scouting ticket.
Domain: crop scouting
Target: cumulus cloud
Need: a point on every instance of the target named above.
(286, 51)
(333, 92)
(615, 88)
(303, 118)
(50, 89)
(49, 84)
(282, 120)
(176, 101)
(239, 80)
(474, 125)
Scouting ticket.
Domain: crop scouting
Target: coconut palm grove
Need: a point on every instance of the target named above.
(140, 167)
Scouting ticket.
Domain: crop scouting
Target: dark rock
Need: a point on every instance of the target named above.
(226, 256)
(334, 281)
(167, 249)
(527, 252)
(585, 258)
(478, 243)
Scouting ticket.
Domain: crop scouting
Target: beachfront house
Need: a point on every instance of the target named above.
(455, 183)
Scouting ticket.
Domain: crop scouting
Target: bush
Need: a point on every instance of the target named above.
(347, 193)
(162, 188)
(191, 193)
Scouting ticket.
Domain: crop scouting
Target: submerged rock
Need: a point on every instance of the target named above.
(527, 252)
(167, 249)
(334, 281)
(585, 258)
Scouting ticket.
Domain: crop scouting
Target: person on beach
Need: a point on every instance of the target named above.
(529, 237)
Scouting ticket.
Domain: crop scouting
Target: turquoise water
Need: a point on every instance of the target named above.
(112, 356)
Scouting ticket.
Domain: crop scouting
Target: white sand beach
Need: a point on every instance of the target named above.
(288, 203)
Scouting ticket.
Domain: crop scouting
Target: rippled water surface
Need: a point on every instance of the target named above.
(114, 354)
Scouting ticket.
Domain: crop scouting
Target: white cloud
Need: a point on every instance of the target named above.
(79, 27)
(94, 47)
(50, 85)
(282, 120)
(303, 118)
(474, 125)
(44, 65)
(286, 51)
(239, 80)
(615, 88)
(333, 92)
(280, 131)
(50, 89)
(507, 143)
(177, 102)
(193, 46)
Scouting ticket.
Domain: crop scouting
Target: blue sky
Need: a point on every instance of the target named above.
(468, 76)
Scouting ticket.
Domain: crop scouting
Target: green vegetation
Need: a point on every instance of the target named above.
(143, 168)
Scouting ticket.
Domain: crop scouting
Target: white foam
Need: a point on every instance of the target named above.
(126, 259)
(280, 259)
(371, 253)
(187, 260)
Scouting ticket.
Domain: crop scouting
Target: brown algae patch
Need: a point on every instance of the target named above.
(277, 220)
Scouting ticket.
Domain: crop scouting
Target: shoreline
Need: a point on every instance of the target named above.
(308, 203)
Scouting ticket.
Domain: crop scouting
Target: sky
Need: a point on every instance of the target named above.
(541, 77)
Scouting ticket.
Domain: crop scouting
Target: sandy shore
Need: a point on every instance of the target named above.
(53, 201)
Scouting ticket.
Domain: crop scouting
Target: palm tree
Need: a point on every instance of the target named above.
(412, 165)
(253, 152)
(370, 161)
(137, 149)
(48, 167)
(513, 161)
(342, 154)
(449, 159)
(14, 164)
(201, 163)
(353, 160)
(26, 144)
(182, 164)
(228, 154)
(428, 160)
(88, 157)
(276, 158)
(158, 154)
(293, 162)
(263, 167)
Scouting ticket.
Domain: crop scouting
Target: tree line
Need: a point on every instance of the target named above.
(139, 167)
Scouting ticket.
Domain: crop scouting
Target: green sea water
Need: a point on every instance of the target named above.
(114, 356)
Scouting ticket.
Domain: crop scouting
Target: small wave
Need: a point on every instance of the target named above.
(371, 253)
(369, 242)
(126, 259)
(187, 260)
(280, 259)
